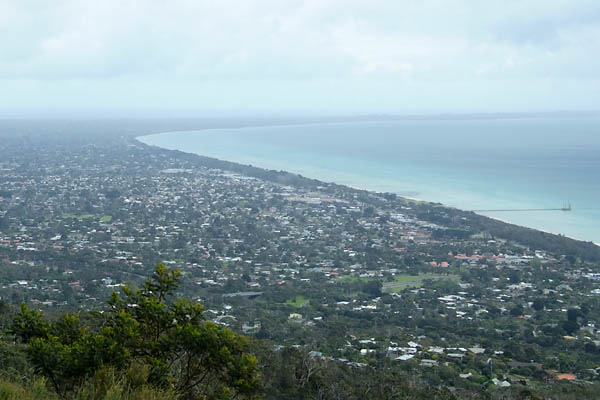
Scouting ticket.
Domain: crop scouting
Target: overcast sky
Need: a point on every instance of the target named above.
(293, 56)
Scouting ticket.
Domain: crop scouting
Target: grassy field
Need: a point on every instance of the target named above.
(402, 282)
(297, 301)
(410, 278)
(106, 218)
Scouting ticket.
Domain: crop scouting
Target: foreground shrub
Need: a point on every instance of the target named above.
(168, 340)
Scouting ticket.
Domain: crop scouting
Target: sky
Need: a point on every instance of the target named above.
(246, 57)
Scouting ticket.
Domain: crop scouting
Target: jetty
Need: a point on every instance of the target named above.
(565, 208)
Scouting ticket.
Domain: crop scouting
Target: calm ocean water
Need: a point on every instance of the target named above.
(469, 164)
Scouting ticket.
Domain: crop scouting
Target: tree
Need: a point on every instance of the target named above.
(538, 304)
(517, 310)
(573, 314)
(195, 358)
(570, 326)
(373, 288)
(369, 212)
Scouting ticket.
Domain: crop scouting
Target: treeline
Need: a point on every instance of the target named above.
(538, 240)
(468, 223)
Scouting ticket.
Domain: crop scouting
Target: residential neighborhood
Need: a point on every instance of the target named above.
(353, 277)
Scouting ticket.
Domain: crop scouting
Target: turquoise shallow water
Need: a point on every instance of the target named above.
(469, 164)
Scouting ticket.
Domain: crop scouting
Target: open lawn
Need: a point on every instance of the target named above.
(402, 282)
(297, 301)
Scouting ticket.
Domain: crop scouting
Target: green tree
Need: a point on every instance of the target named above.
(373, 288)
(538, 304)
(517, 310)
(570, 326)
(195, 358)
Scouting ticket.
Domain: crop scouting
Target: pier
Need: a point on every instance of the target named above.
(565, 208)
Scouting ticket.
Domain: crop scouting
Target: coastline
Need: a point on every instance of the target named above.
(334, 182)
(538, 229)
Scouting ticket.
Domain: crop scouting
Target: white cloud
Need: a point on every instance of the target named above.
(372, 46)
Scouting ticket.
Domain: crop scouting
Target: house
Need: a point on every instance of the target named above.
(565, 377)
(428, 363)
(500, 383)
(436, 350)
(477, 350)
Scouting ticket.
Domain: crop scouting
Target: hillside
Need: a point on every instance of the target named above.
(341, 293)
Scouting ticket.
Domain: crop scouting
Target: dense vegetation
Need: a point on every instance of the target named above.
(165, 342)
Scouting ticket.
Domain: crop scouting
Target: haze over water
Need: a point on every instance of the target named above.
(468, 164)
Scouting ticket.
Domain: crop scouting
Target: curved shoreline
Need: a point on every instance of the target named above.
(304, 175)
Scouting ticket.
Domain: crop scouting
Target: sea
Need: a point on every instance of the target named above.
(541, 164)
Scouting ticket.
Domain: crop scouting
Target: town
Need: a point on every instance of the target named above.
(348, 276)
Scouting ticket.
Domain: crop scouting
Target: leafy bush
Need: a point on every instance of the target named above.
(168, 340)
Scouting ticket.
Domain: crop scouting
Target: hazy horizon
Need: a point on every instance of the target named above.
(291, 58)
